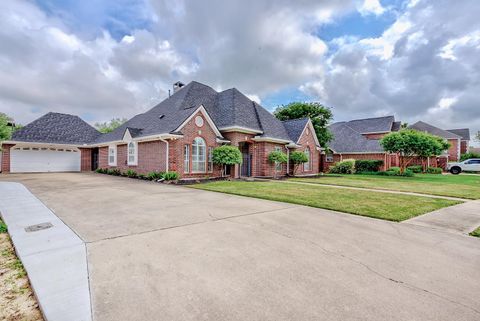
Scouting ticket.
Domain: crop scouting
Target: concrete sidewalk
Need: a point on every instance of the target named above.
(462, 218)
(52, 254)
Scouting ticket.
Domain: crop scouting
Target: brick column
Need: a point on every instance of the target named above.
(85, 159)
(6, 157)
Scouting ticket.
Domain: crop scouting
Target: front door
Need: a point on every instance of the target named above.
(246, 167)
(94, 159)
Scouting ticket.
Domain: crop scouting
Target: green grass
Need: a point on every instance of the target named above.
(392, 207)
(463, 186)
(3, 227)
(476, 232)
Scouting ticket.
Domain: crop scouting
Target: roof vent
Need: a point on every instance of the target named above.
(177, 86)
(161, 116)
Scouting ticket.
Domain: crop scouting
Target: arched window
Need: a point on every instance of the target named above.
(307, 166)
(198, 155)
(132, 153)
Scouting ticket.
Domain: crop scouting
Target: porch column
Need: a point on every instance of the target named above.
(5, 161)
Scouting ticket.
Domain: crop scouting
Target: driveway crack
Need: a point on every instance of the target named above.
(366, 266)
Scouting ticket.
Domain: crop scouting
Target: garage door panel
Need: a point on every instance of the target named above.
(43, 160)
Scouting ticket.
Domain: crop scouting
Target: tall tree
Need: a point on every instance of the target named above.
(410, 143)
(319, 114)
(6, 127)
(110, 126)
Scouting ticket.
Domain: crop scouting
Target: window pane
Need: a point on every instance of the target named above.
(198, 155)
(186, 158)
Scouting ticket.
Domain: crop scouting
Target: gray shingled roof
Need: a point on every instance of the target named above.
(373, 125)
(462, 132)
(56, 128)
(229, 108)
(424, 127)
(348, 140)
(295, 128)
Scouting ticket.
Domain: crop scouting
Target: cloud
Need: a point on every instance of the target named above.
(371, 7)
(425, 66)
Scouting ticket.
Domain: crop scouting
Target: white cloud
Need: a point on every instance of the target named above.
(371, 7)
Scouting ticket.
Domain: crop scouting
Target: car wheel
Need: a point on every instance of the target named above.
(455, 170)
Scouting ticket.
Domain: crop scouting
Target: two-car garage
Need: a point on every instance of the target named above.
(34, 159)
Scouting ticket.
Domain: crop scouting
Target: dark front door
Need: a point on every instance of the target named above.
(246, 167)
(94, 159)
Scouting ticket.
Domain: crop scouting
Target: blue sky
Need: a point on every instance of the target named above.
(103, 58)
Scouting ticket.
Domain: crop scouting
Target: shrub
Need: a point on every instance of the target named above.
(3, 227)
(369, 165)
(468, 156)
(142, 176)
(101, 170)
(394, 169)
(434, 170)
(131, 173)
(110, 171)
(406, 173)
(297, 158)
(116, 172)
(226, 155)
(155, 175)
(344, 167)
(170, 176)
(416, 168)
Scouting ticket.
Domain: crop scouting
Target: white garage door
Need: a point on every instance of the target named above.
(34, 159)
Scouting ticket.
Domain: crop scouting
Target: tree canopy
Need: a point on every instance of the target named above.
(277, 157)
(297, 158)
(226, 155)
(110, 126)
(7, 127)
(410, 143)
(319, 114)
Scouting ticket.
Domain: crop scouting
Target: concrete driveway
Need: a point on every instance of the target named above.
(158, 252)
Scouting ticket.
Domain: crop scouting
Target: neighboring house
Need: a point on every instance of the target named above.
(179, 134)
(455, 140)
(360, 139)
(464, 133)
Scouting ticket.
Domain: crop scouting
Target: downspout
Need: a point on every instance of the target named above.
(288, 160)
(166, 163)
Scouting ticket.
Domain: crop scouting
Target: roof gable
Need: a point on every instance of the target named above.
(57, 128)
(373, 125)
(295, 128)
(462, 132)
(425, 127)
(348, 140)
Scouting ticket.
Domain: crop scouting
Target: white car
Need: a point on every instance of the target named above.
(469, 165)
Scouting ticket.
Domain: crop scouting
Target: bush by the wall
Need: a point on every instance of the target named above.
(434, 170)
(369, 165)
(468, 156)
(131, 173)
(155, 175)
(416, 168)
(346, 166)
(101, 170)
(170, 176)
(406, 173)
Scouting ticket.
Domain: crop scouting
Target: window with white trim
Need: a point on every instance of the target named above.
(210, 159)
(329, 157)
(278, 165)
(307, 166)
(112, 155)
(186, 158)
(132, 153)
(198, 155)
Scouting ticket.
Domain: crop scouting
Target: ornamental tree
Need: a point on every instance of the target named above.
(110, 126)
(319, 114)
(410, 143)
(297, 159)
(277, 157)
(226, 155)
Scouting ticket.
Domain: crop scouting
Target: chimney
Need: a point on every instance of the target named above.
(177, 86)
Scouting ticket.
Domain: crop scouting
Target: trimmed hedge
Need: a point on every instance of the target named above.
(434, 170)
(344, 167)
(369, 165)
(468, 156)
(416, 168)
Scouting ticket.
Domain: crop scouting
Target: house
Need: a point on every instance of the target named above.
(455, 137)
(360, 139)
(179, 134)
(464, 133)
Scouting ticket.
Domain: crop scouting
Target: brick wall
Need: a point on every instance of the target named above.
(463, 147)
(375, 136)
(190, 132)
(85, 159)
(453, 150)
(235, 139)
(307, 139)
(151, 157)
(6, 157)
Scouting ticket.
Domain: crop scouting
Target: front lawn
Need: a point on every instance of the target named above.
(476, 232)
(463, 186)
(392, 207)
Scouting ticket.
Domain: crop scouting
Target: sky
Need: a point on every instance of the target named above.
(99, 59)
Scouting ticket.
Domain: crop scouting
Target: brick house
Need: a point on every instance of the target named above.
(360, 139)
(179, 134)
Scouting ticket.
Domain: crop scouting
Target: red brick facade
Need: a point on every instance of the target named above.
(375, 136)
(463, 147)
(307, 140)
(6, 158)
(453, 151)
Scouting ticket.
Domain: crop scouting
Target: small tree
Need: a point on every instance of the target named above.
(277, 157)
(297, 159)
(410, 143)
(226, 155)
(5, 128)
(110, 126)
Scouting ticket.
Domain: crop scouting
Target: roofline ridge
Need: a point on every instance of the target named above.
(369, 118)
